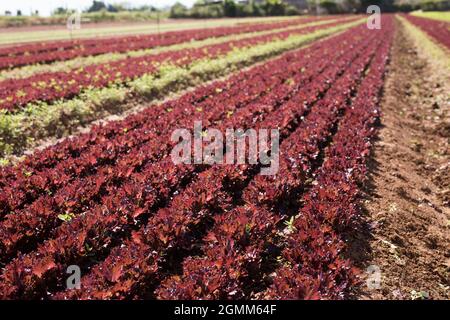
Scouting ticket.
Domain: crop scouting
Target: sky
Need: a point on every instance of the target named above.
(45, 7)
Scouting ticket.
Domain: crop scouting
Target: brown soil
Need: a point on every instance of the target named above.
(407, 198)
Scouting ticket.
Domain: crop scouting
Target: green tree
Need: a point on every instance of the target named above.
(351, 5)
(274, 7)
(112, 8)
(385, 5)
(435, 5)
(60, 11)
(97, 6)
(329, 6)
(230, 8)
(207, 9)
(179, 11)
(257, 9)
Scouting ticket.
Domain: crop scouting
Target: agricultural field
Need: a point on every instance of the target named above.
(14, 35)
(242, 159)
(436, 15)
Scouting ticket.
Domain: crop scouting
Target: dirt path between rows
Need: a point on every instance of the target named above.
(407, 198)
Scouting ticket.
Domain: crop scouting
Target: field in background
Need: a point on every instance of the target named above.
(9, 36)
(437, 15)
(93, 17)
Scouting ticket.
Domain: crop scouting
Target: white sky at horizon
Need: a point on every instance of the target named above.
(45, 7)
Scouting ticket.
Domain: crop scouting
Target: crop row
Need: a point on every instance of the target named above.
(47, 52)
(81, 61)
(46, 171)
(40, 120)
(121, 158)
(175, 226)
(41, 216)
(438, 30)
(131, 201)
(314, 263)
(49, 87)
(234, 248)
(185, 217)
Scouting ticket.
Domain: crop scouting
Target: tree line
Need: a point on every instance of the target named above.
(232, 8)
